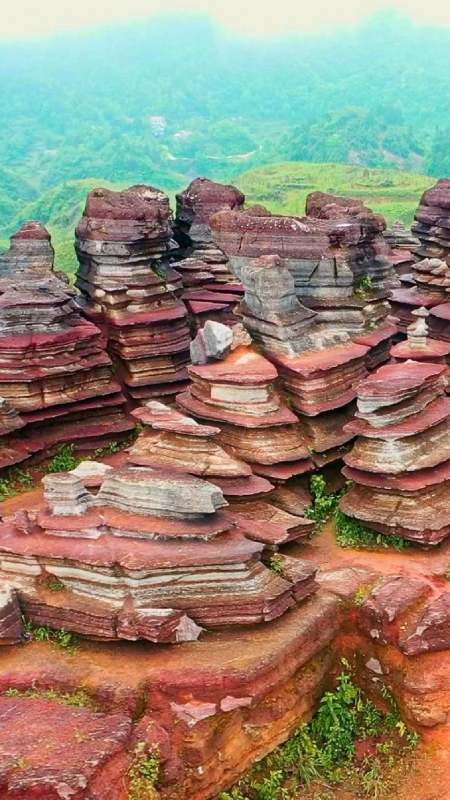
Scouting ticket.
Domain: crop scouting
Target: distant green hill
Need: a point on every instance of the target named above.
(59, 209)
(283, 188)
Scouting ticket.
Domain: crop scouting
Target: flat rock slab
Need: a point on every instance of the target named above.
(50, 751)
(226, 663)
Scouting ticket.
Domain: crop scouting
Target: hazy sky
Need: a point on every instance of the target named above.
(25, 18)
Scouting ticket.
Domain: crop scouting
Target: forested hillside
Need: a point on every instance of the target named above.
(169, 98)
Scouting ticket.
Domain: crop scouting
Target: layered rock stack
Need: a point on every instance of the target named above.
(404, 246)
(326, 258)
(400, 463)
(153, 555)
(430, 279)
(317, 374)
(31, 257)
(177, 443)
(369, 256)
(238, 394)
(127, 287)
(56, 378)
(432, 221)
(211, 289)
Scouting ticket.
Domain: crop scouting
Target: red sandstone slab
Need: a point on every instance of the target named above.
(432, 415)
(126, 521)
(234, 288)
(441, 311)
(321, 406)
(171, 420)
(162, 314)
(282, 472)
(408, 481)
(205, 296)
(311, 362)
(243, 366)
(111, 396)
(196, 307)
(274, 418)
(377, 336)
(130, 554)
(51, 751)
(242, 487)
(394, 380)
(415, 298)
(434, 349)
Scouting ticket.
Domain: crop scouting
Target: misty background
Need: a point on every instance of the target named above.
(165, 98)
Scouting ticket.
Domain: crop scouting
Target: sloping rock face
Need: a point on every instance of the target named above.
(432, 221)
(56, 378)
(127, 288)
(83, 750)
(399, 464)
(152, 555)
(211, 289)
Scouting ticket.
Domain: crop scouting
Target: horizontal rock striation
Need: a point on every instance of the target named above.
(123, 241)
(399, 461)
(151, 555)
(211, 289)
(56, 378)
(432, 221)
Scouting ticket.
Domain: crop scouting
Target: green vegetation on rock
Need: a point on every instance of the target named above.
(350, 744)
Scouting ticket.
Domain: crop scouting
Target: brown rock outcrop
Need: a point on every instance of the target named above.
(56, 379)
(328, 259)
(211, 289)
(129, 290)
(151, 555)
(397, 464)
(432, 221)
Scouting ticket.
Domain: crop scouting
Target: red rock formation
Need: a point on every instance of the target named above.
(56, 379)
(189, 564)
(176, 442)
(239, 394)
(327, 259)
(398, 462)
(431, 276)
(50, 751)
(432, 221)
(120, 243)
(212, 291)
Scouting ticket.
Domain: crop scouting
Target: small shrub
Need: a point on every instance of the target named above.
(276, 565)
(43, 633)
(365, 286)
(64, 460)
(352, 533)
(143, 774)
(14, 480)
(321, 753)
(324, 502)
